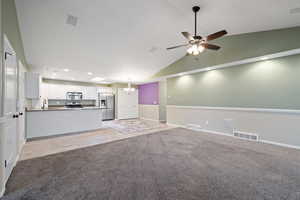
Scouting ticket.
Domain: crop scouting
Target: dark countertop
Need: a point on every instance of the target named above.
(63, 109)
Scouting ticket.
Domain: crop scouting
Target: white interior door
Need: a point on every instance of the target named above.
(127, 104)
(21, 106)
(10, 108)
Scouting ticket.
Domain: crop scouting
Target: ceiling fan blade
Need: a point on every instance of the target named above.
(210, 46)
(216, 35)
(183, 45)
(187, 35)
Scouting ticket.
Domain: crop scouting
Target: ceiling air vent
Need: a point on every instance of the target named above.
(153, 49)
(72, 20)
(295, 11)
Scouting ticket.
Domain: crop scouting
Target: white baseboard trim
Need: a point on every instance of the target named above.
(211, 131)
(176, 125)
(280, 144)
(2, 191)
(16, 160)
(226, 134)
(261, 141)
(155, 120)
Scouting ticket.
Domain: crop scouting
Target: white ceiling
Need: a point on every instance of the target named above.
(120, 40)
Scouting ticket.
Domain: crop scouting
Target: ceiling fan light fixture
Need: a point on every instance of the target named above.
(196, 43)
(195, 53)
(190, 50)
(195, 49)
(201, 48)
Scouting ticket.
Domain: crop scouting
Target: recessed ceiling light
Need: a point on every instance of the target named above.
(97, 79)
(66, 70)
(90, 73)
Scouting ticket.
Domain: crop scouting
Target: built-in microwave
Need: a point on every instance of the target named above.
(74, 98)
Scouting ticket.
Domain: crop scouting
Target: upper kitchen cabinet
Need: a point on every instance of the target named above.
(56, 91)
(89, 92)
(104, 90)
(32, 85)
(59, 91)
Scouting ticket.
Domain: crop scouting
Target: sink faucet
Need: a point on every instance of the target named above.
(44, 103)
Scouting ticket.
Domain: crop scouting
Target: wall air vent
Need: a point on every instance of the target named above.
(245, 135)
(71, 20)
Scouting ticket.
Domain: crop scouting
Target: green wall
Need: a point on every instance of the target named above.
(237, 47)
(266, 84)
(11, 29)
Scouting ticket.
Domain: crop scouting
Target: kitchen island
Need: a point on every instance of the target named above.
(61, 120)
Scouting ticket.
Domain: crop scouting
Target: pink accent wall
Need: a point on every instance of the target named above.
(148, 93)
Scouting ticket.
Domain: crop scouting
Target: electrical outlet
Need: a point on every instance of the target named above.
(206, 122)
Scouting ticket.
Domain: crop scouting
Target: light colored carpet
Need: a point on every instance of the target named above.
(132, 125)
(176, 164)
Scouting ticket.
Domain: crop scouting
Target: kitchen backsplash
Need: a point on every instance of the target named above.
(62, 102)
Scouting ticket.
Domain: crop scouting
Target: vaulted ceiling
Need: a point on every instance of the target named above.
(121, 40)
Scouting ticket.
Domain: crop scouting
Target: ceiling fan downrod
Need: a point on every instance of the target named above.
(195, 10)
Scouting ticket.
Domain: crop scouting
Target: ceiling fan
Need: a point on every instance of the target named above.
(196, 43)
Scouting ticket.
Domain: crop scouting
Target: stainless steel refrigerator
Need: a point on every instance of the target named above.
(106, 102)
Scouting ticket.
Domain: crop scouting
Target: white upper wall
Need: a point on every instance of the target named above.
(127, 39)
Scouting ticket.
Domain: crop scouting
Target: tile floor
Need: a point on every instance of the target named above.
(43, 147)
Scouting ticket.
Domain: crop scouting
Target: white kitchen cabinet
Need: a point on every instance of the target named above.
(127, 104)
(32, 85)
(90, 93)
(58, 91)
(104, 90)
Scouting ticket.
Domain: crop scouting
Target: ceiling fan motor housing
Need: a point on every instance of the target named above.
(196, 8)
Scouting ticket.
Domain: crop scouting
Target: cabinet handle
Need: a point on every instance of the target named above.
(20, 113)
